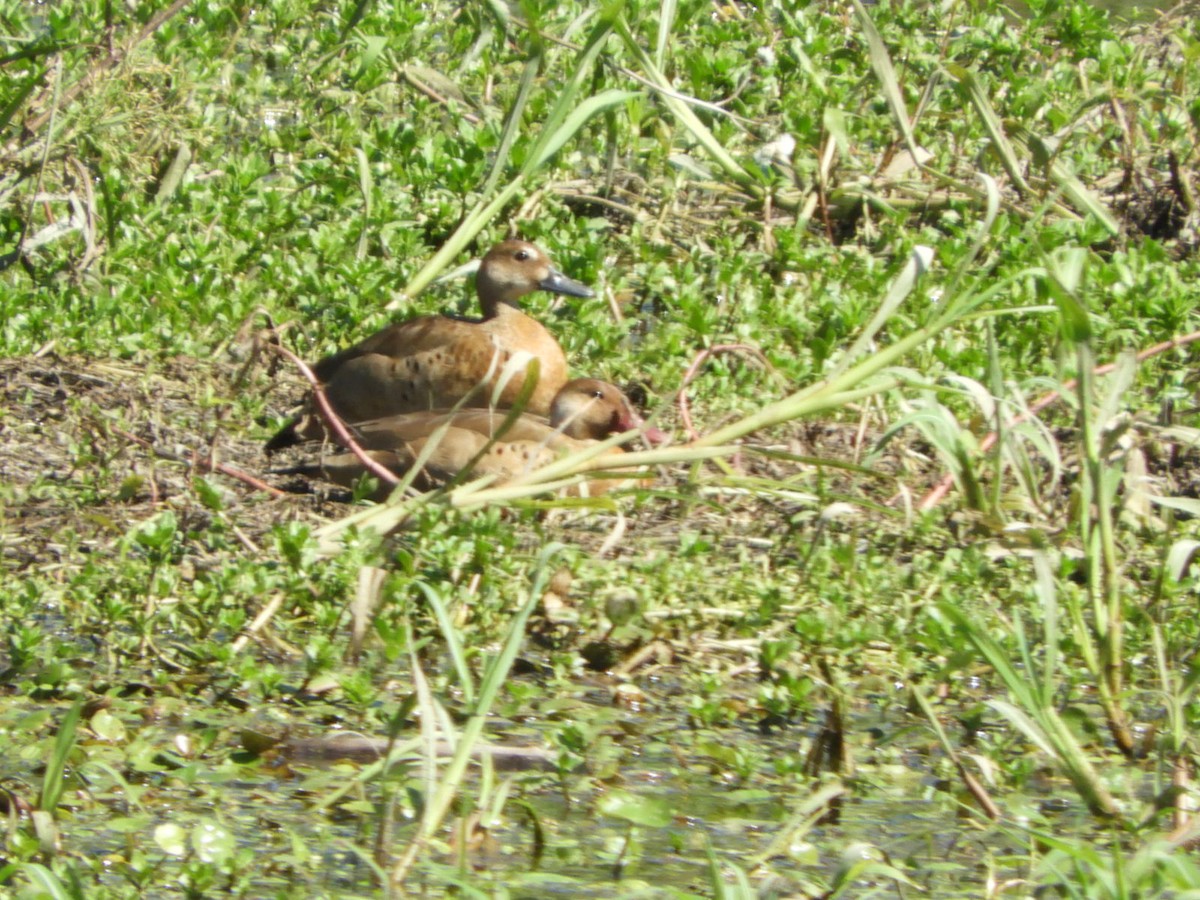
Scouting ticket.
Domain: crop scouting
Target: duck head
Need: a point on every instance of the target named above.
(589, 409)
(512, 269)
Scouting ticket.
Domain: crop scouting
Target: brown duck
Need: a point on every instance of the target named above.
(583, 412)
(433, 362)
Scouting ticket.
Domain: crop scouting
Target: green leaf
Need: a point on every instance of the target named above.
(372, 46)
(1180, 556)
(108, 727)
(578, 117)
(653, 812)
(208, 494)
(171, 839)
(212, 842)
(129, 488)
(52, 782)
(156, 533)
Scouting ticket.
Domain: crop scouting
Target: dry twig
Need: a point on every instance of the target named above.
(203, 464)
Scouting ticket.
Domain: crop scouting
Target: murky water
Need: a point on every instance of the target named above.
(1136, 9)
(894, 807)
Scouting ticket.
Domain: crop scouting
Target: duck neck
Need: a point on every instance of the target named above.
(499, 309)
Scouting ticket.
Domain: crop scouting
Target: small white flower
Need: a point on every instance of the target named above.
(777, 152)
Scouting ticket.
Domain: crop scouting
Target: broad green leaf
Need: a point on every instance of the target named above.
(1180, 556)
(171, 839)
(653, 812)
(212, 842)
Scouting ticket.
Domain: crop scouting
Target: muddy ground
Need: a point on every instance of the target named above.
(90, 449)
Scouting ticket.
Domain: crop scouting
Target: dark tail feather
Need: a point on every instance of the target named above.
(347, 470)
(308, 470)
(285, 437)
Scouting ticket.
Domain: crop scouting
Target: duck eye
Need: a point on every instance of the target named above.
(521, 255)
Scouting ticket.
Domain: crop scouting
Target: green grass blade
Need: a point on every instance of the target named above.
(1120, 380)
(918, 263)
(800, 822)
(46, 883)
(1047, 594)
(1039, 723)
(881, 62)
(569, 126)
(401, 750)
(512, 125)
(1026, 724)
(568, 101)
(1015, 682)
(1181, 554)
(971, 90)
(563, 122)
(683, 113)
(18, 99)
(497, 671)
(968, 267)
(366, 187)
(453, 641)
(955, 445)
(666, 21)
(53, 781)
(1081, 198)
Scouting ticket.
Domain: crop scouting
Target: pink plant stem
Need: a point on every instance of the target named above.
(340, 432)
(202, 463)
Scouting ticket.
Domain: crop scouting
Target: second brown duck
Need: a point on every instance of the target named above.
(433, 362)
(584, 411)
